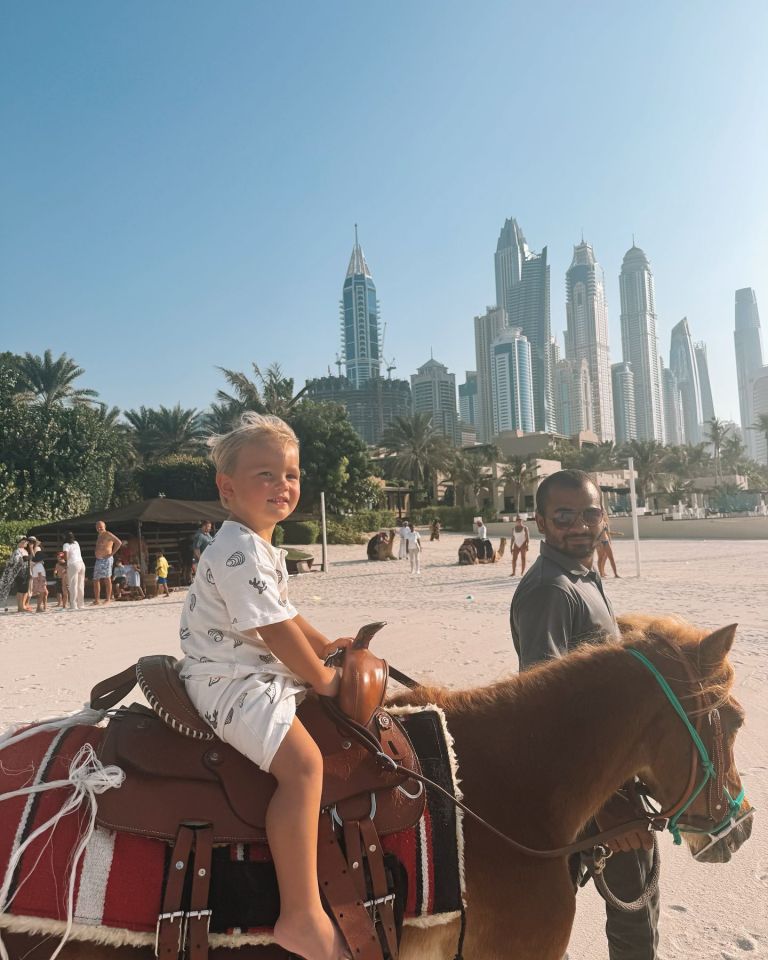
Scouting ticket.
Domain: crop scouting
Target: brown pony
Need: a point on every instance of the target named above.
(538, 759)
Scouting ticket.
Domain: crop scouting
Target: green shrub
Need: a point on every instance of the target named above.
(300, 531)
(343, 533)
(179, 477)
(278, 536)
(458, 519)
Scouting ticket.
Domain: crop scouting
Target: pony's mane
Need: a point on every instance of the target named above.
(646, 633)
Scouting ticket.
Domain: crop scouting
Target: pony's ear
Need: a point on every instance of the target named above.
(715, 647)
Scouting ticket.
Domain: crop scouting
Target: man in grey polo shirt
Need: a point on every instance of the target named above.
(560, 603)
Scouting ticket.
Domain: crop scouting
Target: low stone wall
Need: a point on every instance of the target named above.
(656, 528)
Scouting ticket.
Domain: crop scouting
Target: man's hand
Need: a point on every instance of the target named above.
(619, 810)
(329, 685)
(333, 645)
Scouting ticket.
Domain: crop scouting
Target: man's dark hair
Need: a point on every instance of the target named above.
(572, 479)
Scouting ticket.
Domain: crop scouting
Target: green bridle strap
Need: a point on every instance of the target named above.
(708, 767)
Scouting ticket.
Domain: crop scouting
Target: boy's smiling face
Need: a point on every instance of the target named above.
(264, 486)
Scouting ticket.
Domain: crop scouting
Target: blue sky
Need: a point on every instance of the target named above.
(179, 180)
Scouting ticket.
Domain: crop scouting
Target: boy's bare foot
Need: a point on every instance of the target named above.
(314, 938)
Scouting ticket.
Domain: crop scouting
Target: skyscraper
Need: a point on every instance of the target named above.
(487, 328)
(511, 251)
(529, 310)
(639, 344)
(512, 382)
(573, 397)
(468, 399)
(682, 362)
(433, 391)
(586, 335)
(759, 405)
(749, 360)
(360, 341)
(673, 408)
(702, 365)
(625, 420)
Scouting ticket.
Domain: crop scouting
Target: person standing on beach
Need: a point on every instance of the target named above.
(402, 533)
(559, 604)
(604, 550)
(520, 540)
(75, 572)
(107, 545)
(202, 539)
(413, 540)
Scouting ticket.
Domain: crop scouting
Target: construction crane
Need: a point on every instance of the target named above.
(390, 365)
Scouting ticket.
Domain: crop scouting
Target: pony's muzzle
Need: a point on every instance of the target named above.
(721, 846)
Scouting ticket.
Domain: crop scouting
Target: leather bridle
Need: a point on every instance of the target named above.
(713, 774)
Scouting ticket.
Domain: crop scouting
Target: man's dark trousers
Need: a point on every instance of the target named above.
(631, 936)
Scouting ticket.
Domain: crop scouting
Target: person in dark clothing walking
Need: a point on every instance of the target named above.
(559, 604)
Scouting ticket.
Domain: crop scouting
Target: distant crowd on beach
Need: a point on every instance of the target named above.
(120, 570)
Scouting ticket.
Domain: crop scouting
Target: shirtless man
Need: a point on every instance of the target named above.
(107, 545)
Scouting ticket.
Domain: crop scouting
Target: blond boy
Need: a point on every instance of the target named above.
(250, 658)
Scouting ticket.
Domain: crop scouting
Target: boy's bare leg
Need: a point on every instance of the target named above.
(303, 926)
(96, 591)
(108, 590)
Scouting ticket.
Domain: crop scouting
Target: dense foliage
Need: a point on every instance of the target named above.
(178, 476)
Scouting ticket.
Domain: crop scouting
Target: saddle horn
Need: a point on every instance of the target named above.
(363, 677)
(366, 633)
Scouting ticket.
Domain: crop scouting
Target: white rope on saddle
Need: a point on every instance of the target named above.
(20, 731)
(87, 777)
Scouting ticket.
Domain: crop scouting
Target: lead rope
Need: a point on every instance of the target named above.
(650, 889)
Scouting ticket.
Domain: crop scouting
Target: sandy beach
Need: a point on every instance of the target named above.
(451, 626)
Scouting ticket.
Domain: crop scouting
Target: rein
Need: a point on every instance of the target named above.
(654, 820)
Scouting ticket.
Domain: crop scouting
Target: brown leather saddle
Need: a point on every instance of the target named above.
(185, 786)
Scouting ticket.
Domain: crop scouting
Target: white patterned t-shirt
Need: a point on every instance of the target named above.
(241, 584)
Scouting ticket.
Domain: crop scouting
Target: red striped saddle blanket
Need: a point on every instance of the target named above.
(118, 884)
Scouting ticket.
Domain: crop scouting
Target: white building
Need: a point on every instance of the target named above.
(625, 421)
(586, 335)
(433, 391)
(749, 361)
(639, 342)
(573, 397)
(487, 328)
(512, 383)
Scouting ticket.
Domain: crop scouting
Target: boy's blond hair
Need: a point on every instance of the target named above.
(254, 428)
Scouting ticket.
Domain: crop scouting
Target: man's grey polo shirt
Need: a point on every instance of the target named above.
(558, 605)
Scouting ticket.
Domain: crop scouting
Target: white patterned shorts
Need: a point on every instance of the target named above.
(102, 568)
(252, 713)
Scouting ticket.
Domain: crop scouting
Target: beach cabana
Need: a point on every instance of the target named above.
(147, 526)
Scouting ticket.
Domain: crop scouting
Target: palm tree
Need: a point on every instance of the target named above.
(165, 431)
(601, 456)
(270, 392)
(516, 473)
(761, 426)
(717, 431)
(733, 453)
(49, 381)
(222, 417)
(469, 473)
(648, 456)
(177, 431)
(420, 451)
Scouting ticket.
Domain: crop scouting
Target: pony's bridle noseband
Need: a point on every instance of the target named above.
(712, 770)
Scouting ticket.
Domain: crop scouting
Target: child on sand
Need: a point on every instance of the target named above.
(161, 569)
(60, 572)
(250, 658)
(39, 583)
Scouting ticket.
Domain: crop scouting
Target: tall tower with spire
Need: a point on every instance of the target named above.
(360, 332)
(586, 336)
(639, 342)
(511, 252)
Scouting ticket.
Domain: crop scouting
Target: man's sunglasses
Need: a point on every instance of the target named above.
(564, 518)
